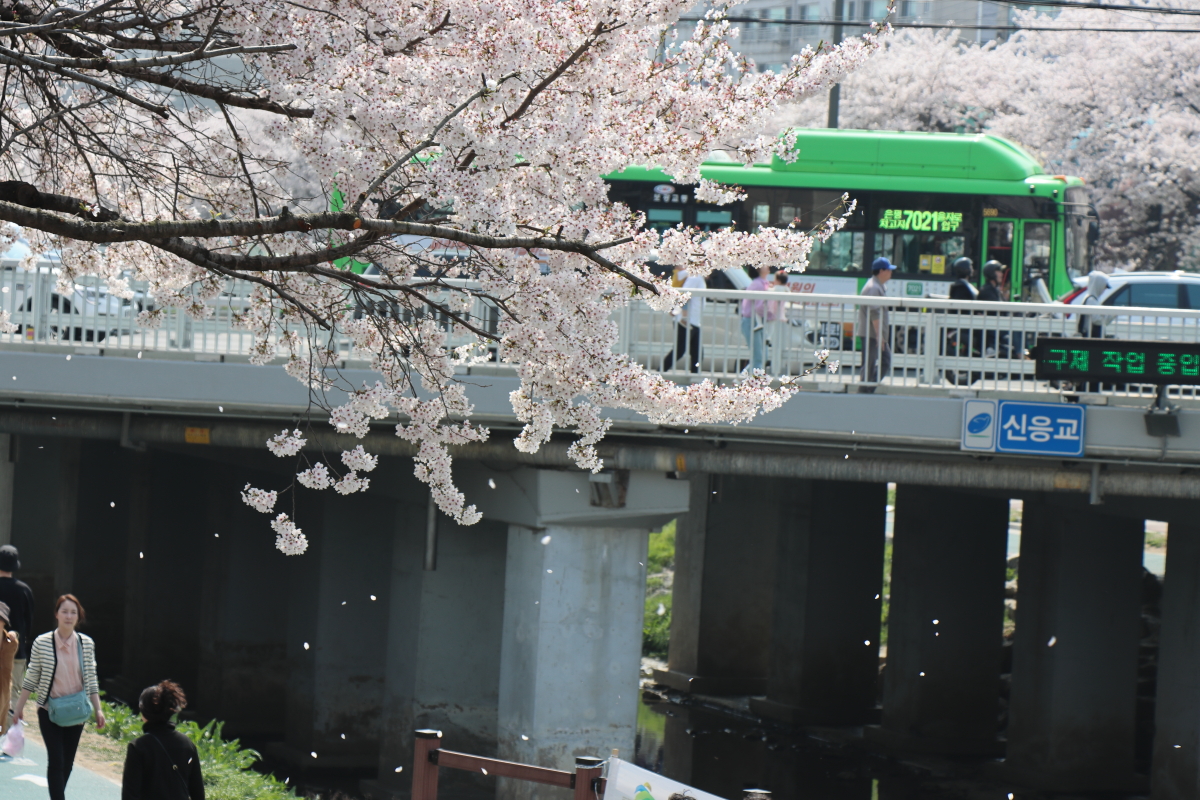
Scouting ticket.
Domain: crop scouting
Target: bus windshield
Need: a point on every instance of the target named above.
(1082, 230)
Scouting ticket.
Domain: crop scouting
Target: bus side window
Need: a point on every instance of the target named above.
(762, 214)
(713, 220)
(663, 218)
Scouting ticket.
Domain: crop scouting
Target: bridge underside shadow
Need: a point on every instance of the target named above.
(524, 642)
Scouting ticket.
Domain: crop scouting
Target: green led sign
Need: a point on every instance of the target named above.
(903, 219)
(1107, 359)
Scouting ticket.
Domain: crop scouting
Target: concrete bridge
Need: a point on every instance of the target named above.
(521, 636)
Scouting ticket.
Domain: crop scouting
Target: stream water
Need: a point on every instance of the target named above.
(726, 753)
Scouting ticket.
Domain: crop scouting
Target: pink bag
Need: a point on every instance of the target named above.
(14, 740)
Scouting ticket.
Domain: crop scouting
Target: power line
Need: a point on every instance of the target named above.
(943, 26)
(1194, 12)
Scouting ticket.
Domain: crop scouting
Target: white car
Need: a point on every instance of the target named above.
(1177, 289)
(1166, 290)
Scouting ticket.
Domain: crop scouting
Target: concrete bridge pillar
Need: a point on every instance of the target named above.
(945, 623)
(574, 590)
(336, 683)
(824, 657)
(1072, 715)
(1175, 768)
(724, 585)
(443, 650)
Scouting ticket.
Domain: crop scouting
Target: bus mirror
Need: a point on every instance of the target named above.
(1093, 234)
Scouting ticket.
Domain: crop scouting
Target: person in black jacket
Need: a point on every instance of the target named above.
(19, 598)
(162, 764)
(962, 289)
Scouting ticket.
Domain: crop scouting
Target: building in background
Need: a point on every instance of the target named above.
(785, 30)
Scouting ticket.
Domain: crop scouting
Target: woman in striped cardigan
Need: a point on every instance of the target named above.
(55, 671)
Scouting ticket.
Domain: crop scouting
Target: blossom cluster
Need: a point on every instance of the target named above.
(288, 538)
(259, 499)
(285, 443)
(490, 120)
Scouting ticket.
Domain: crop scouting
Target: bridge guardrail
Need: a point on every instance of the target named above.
(933, 343)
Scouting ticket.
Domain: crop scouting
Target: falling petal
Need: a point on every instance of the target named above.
(343, 602)
(221, 409)
(935, 622)
(306, 645)
(546, 539)
(372, 597)
(343, 736)
(139, 353)
(876, 597)
(217, 535)
(525, 738)
(112, 504)
(661, 609)
(491, 484)
(1053, 640)
(68, 358)
(399, 769)
(867, 642)
(313, 754)
(484, 771)
(141, 554)
(922, 674)
(550, 571)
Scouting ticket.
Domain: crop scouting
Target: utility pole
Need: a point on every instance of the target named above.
(835, 92)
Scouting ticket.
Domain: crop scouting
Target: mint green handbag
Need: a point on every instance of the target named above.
(73, 709)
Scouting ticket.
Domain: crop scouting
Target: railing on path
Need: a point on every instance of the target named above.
(428, 758)
(931, 344)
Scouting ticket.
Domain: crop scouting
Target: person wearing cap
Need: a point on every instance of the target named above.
(873, 327)
(19, 598)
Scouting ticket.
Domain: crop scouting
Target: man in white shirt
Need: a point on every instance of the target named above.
(687, 327)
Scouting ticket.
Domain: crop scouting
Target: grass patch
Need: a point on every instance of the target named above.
(661, 553)
(656, 621)
(227, 766)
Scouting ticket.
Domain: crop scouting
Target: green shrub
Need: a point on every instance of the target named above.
(656, 628)
(227, 766)
(661, 554)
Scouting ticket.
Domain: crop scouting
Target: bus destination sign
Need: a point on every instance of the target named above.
(1160, 362)
(904, 219)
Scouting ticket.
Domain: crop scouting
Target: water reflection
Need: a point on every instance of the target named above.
(724, 754)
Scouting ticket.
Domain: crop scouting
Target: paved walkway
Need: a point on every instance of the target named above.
(24, 778)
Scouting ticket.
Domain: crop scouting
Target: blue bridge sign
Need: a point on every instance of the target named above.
(1010, 426)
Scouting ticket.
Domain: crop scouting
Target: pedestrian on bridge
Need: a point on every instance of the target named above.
(687, 326)
(62, 670)
(162, 764)
(754, 320)
(873, 328)
(19, 598)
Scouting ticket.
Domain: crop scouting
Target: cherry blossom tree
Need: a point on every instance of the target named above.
(189, 144)
(1118, 109)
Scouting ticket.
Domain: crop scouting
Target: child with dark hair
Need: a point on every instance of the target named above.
(162, 764)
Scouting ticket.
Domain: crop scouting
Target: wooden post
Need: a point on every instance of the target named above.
(425, 772)
(587, 772)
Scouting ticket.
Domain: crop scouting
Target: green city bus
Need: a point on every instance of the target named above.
(923, 200)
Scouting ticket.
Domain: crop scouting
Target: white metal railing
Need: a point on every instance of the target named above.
(932, 343)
